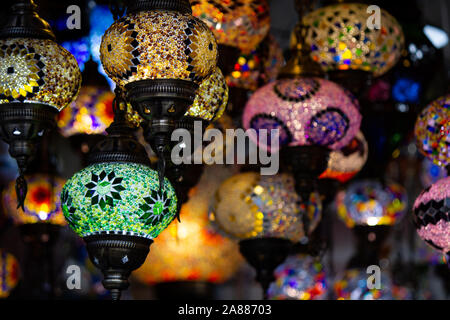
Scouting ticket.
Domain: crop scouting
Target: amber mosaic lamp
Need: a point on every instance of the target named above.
(38, 78)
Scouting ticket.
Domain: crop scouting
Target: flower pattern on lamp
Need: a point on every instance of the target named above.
(307, 111)
(300, 277)
(158, 45)
(90, 113)
(345, 163)
(368, 203)
(235, 23)
(37, 70)
(43, 203)
(193, 250)
(432, 215)
(118, 198)
(249, 205)
(260, 66)
(9, 273)
(432, 131)
(340, 39)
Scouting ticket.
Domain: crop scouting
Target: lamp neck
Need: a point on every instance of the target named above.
(24, 22)
(182, 6)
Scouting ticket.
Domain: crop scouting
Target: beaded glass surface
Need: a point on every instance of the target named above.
(90, 113)
(249, 205)
(340, 38)
(300, 277)
(9, 273)
(42, 204)
(118, 198)
(432, 215)
(36, 70)
(158, 45)
(432, 131)
(307, 111)
(236, 23)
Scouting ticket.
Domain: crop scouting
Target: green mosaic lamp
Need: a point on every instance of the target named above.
(117, 204)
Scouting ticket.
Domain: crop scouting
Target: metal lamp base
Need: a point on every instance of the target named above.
(117, 256)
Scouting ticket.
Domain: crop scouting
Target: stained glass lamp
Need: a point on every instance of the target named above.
(432, 215)
(9, 273)
(432, 131)
(267, 216)
(38, 79)
(300, 277)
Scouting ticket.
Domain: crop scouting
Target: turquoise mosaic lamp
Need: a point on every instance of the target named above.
(117, 204)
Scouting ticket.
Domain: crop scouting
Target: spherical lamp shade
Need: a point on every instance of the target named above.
(118, 198)
(158, 44)
(9, 273)
(432, 131)
(260, 66)
(192, 250)
(340, 39)
(43, 203)
(432, 215)
(345, 163)
(90, 113)
(235, 23)
(307, 111)
(37, 70)
(249, 205)
(368, 203)
(300, 277)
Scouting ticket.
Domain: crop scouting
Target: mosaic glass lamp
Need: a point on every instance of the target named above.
(117, 204)
(432, 131)
(38, 78)
(159, 53)
(345, 46)
(267, 216)
(300, 277)
(432, 215)
(9, 273)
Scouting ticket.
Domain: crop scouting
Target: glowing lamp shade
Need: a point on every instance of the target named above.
(345, 163)
(307, 111)
(158, 45)
(368, 203)
(192, 250)
(90, 113)
(432, 131)
(260, 66)
(341, 39)
(249, 205)
(235, 23)
(300, 277)
(37, 70)
(42, 204)
(432, 215)
(118, 198)
(9, 273)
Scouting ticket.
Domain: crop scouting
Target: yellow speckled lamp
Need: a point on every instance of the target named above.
(38, 78)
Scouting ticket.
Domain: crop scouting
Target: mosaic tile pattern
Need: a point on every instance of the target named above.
(341, 40)
(9, 273)
(432, 131)
(158, 45)
(120, 198)
(90, 113)
(368, 203)
(237, 23)
(42, 204)
(345, 163)
(300, 277)
(308, 111)
(248, 205)
(193, 250)
(432, 215)
(36, 70)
